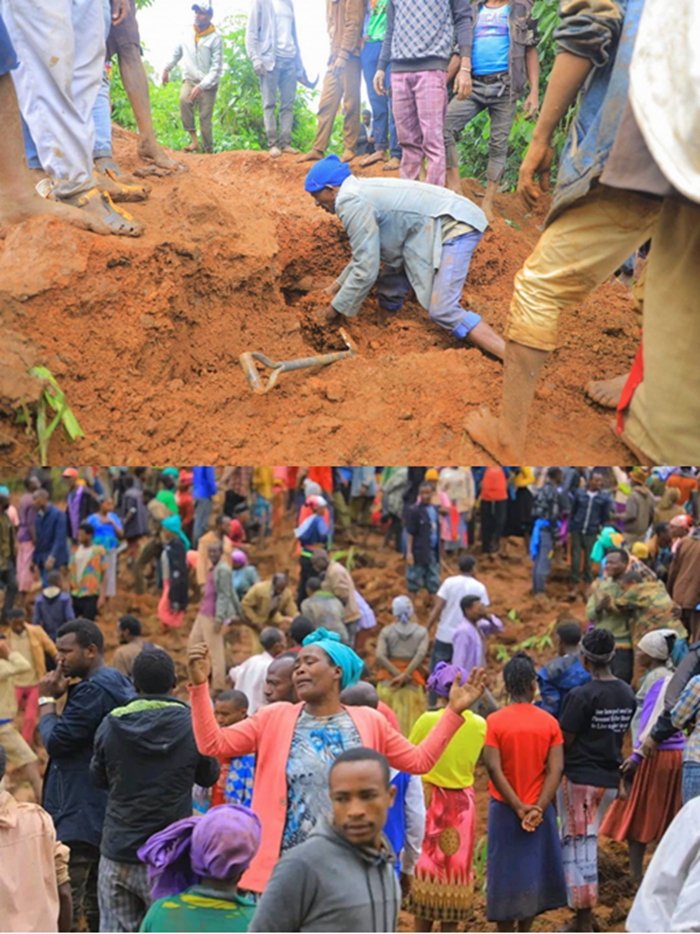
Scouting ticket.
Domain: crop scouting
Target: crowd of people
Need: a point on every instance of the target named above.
(327, 781)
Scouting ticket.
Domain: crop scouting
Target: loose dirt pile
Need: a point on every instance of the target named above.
(144, 335)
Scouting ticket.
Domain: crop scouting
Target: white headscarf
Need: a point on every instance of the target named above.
(655, 644)
(402, 609)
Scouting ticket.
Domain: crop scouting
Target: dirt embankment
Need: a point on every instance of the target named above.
(144, 335)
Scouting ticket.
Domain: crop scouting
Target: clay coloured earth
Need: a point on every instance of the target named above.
(144, 335)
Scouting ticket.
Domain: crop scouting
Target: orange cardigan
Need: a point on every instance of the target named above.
(268, 734)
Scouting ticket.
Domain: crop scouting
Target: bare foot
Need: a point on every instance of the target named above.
(289, 151)
(378, 156)
(159, 157)
(383, 317)
(313, 155)
(149, 171)
(325, 317)
(275, 152)
(33, 205)
(347, 156)
(392, 165)
(485, 430)
(193, 147)
(120, 191)
(607, 392)
(487, 208)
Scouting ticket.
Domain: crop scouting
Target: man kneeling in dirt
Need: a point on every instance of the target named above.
(424, 235)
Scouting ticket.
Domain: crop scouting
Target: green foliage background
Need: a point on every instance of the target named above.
(238, 115)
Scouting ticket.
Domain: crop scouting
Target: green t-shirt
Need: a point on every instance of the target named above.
(199, 909)
(376, 21)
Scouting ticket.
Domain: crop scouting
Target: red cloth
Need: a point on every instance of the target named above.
(323, 476)
(386, 710)
(523, 734)
(633, 380)
(493, 485)
(185, 505)
(236, 532)
(686, 486)
(217, 792)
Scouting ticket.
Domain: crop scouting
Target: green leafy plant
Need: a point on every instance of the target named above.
(481, 851)
(539, 643)
(44, 421)
(502, 653)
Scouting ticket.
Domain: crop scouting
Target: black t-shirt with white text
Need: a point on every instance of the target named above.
(599, 714)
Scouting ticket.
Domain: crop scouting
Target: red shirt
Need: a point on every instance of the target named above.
(185, 505)
(323, 476)
(686, 486)
(493, 485)
(523, 734)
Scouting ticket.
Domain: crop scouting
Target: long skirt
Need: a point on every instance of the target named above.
(166, 614)
(581, 811)
(111, 586)
(204, 629)
(25, 575)
(654, 800)
(442, 884)
(525, 871)
(408, 703)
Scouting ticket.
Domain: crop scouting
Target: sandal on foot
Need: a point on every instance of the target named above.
(118, 190)
(119, 221)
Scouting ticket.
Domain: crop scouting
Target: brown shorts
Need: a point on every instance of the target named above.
(125, 34)
(17, 750)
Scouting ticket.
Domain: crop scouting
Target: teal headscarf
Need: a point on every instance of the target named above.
(608, 539)
(171, 472)
(173, 524)
(340, 654)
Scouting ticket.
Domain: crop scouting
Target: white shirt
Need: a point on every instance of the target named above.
(452, 591)
(284, 16)
(250, 676)
(414, 814)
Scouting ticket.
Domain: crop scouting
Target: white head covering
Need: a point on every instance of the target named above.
(655, 644)
(402, 609)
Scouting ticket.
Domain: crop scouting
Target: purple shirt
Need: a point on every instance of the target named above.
(676, 741)
(468, 641)
(208, 606)
(26, 512)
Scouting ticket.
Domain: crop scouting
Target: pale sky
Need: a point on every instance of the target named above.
(162, 25)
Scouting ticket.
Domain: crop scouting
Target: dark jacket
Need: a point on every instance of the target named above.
(688, 668)
(419, 526)
(146, 755)
(87, 505)
(556, 679)
(52, 612)
(590, 513)
(178, 595)
(684, 573)
(134, 513)
(76, 805)
(551, 505)
(51, 537)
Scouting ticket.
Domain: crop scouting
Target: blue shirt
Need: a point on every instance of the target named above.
(203, 482)
(433, 513)
(104, 531)
(491, 41)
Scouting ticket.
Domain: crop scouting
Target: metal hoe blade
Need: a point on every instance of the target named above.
(255, 378)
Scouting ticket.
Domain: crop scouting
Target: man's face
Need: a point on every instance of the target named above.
(361, 800)
(124, 635)
(202, 21)
(84, 538)
(73, 660)
(426, 494)
(475, 612)
(227, 713)
(279, 582)
(615, 567)
(664, 538)
(41, 499)
(366, 118)
(70, 482)
(215, 553)
(595, 483)
(18, 626)
(325, 199)
(278, 682)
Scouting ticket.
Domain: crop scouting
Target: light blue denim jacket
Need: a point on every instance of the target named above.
(604, 31)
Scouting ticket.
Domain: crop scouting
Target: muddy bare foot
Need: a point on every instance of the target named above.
(34, 205)
(193, 147)
(347, 156)
(485, 429)
(383, 317)
(607, 392)
(378, 156)
(487, 208)
(325, 317)
(289, 151)
(159, 157)
(313, 155)
(392, 165)
(121, 190)
(275, 152)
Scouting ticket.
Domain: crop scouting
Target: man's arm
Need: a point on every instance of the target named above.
(385, 56)
(176, 56)
(60, 536)
(361, 273)
(64, 735)
(438, 606)
(252, 48)
(288, 898)
(65, 895)
(464, 27)
(98, 763)
(14, 664)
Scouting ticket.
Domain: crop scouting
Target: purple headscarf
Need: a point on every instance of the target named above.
(442, 676)
(240, 556)
(218, 845)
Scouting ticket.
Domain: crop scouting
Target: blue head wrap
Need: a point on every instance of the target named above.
(4, 491)
(340, 654)
(174, 525)
(328, 171)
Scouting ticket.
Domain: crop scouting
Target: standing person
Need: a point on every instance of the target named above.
(76, 806)
(393, 488)
(88, 574)
(524, 756)
(273, 48)
(344, 20)
(423, 544)
(653, 785)
(134, 514)
(263, 481)
(604, 614)
(419, 44)
(685, 482)
(401, 649)
(249, 676)
(51, 542)
(235, 782)
(208, 627)
(594, 721)
(131, 644)
(197, 864)
(566, 671)
(639, 508)
(236, 482)
(383, 123)
(446, 614)
(81, 502)
(53, 606)
(8, 553)
(219, 535)
(442, 885)
(684, 582)
(108, 532)
(338, 581)
(684, 715)
(592, 508)
(323, 609)
(13, 664)
(146, 757)
(548, 509)
(363, 489)
(303, 893)
(312, 533)
(457, 484)
(202, 55)
(204, 491)
(173, 567)
(26, 534)
(34, 645)
(469, 638)
(493, 496)
(503, 60)
(185, 503)
(296, 743)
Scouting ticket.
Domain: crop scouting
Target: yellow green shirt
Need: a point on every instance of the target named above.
(455, 767)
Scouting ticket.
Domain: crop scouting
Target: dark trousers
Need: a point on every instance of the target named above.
(231, 500)
(442, 652)
(493, 522)
(623, 665)
(85, 607)
(150, 552)
(83, 866)
(395, 533)
(581, 543)
(8, 580)
(306, 570)
(543, 561)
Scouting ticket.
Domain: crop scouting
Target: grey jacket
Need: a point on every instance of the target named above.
(327, 884)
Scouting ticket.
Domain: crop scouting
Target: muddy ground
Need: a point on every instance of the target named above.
(380, 575)
(144, 335)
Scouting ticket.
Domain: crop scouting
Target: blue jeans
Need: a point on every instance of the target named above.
(690, 787)
(8, 58)
(380, 103)
(445, 301)
(102, 118)
(202, 515)
(442, 652)
(543, 562)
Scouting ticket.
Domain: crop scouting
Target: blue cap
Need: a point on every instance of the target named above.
(206, 10)
(328, 171)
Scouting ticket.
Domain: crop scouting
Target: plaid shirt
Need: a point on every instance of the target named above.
(238, 480)
(685, 714)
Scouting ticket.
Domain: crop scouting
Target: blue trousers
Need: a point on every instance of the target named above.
(690, 787)
(384, 126)
(202, 515)
(8, 58)
(446, 298)
(543, 562)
